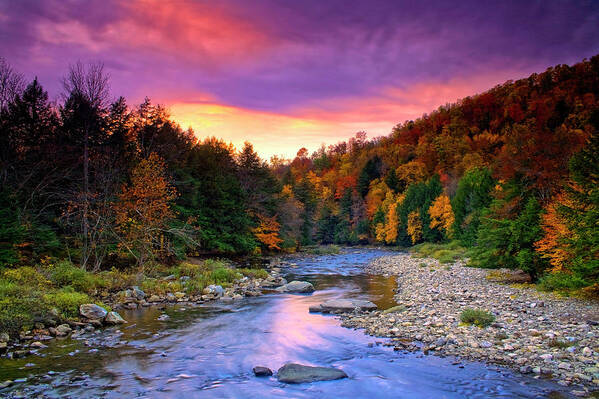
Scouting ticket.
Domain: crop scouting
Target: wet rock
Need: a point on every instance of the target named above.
(92, 311)
(301, 287)
(5, 384)
(163, 317)
(114, 318)
(154, 298)
(293, 373)
(343, 305)
(260, 371)
(137, 292)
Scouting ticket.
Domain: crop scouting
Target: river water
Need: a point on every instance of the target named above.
(208, 351)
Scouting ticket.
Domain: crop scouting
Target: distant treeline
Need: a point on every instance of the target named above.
(511, 173)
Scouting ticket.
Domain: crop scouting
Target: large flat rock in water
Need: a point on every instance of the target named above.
(293, 373)
(343, 305)
(302, 287)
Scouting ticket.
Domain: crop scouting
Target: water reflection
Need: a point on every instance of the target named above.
(209, 351)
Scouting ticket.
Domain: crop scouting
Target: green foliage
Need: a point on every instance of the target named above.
(64, 274)
(473, 195)
(562, 282)
(370, 171)
(419, 197)
(26, 276)
(253, 273)
(509, 242)
(444, 253)
(66, 301)
(20, 306)
(477, 317)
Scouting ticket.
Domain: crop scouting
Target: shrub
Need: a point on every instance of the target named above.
(66, 301)
(223, 276)
(26, 276)
(562, 282)
(477, 317)
(20, 306)
(64, 274)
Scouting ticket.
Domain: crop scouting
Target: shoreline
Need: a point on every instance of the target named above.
(533, 333)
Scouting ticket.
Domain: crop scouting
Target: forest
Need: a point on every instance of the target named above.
(510, 174)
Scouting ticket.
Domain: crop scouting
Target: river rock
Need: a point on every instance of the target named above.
(114, 318)
(63, 329)
(92, 311)
(293, 373)
(214, 290)
(260, 371)
(137, 292)
(343, 305)
(302, 287)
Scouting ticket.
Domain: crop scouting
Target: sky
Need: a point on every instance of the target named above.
(288, 74)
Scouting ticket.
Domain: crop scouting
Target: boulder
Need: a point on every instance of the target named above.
(214, 290)
(137, 292)
(63, 329)
(114, 318)
(92, 311)
(343, 305)
(260, 371)
(302, 287)
(293, 373)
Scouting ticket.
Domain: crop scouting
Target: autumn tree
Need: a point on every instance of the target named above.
(143, 210)
(414, 226)
(442, 215)
(267, 232)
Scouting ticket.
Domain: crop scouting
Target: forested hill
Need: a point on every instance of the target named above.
(511, 173)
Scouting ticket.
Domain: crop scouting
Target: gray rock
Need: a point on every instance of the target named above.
(114, 318)
(260, 371)
(92, 311)
(302, 287)
(163, 317)
(63, 329)
(344, 305)
(486, 344)
(293, 373)
(138, 293)
(214, 290)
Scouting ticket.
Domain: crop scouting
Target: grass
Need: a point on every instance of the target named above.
(477, 317)
(445, 253)
(323, 250)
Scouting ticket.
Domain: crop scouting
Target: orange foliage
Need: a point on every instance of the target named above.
(343, 184)
(552, 245)
(441, 214)
(267, 232)
(142, 209)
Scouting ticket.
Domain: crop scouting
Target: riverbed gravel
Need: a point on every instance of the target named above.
(534, 333)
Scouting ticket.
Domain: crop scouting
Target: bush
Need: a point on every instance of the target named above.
(561, 282)
(26, 276)
(64, 274)
(477, 317)
(66, 301)
(254, 273)
(224, 276)
(20, 306)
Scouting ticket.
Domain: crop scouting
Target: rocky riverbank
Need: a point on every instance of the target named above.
(93, 317)
(534, 333)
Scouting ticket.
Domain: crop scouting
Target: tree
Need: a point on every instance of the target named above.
(11, 84)
(143, 209)
(442, 215)
(414, 226)
(267, 232)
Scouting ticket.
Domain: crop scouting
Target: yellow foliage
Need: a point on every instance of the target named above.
(412, 172)
(392, 224)
(414, 226)
(552, 245)
(442, 216)
(267, 232)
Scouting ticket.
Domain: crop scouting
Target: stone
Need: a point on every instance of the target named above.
(293, 373)
(37, 345)
(154, 298)
(163, 317)
(216, 290)
(301, 287)
(260, 371)
(62, 330)
(344, 305)
(114, 318)
(486, 344)
(92, 311)
(137, 292)
(586, 351)
(546, 357)
(526, 369)
(179, 295)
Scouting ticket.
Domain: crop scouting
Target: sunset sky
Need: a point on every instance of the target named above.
(286, 74)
